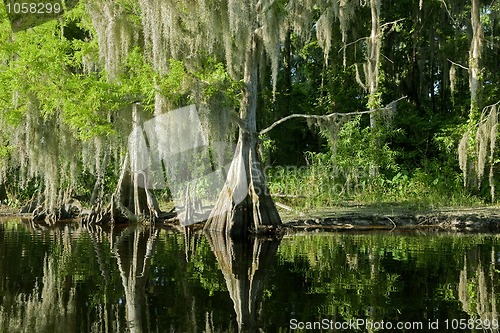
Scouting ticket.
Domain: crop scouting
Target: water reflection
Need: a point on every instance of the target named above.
(133, 249)
(245, 264)
(34, 298)
(74, 279)
(476, 288)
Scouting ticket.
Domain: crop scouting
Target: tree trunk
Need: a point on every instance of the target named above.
(132, 198)
(374, 99)
(245, 203)
(474, 57)
(374, 45)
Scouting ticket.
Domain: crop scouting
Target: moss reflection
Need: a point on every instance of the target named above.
(77, 279)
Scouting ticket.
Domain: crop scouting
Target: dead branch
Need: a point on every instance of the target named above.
(457, 64)
(328, 116)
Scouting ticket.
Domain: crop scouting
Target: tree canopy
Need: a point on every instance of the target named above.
(68, 86)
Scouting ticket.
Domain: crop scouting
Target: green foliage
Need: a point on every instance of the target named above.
(218, 89)
(360, 146)
(56, 74)
(346, 174)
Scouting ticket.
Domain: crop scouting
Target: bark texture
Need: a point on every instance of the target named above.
(475, 51)
(132, 198)
(245, 203)
(373, 63)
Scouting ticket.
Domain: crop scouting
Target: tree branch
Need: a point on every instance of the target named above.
(393, 23)
(351, 43)
(457, 64)
(328, 116)
(235, 117)
(448, 11)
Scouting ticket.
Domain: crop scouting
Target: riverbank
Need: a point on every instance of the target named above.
(463, 219)
(379, 217)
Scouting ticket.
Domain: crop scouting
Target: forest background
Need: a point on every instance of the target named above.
(398, 100)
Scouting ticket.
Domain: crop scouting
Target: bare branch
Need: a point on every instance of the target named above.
(358, 78)
(456, 64)
(363, 38)
(393, 23)
(351, 43)
(448, 11)
(383, 55)
(328, 116)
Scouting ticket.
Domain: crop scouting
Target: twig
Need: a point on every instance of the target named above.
(394, 224)
(383, 55)
(389, 23)
(285, 207)
(349, 44)
(461, 66)
(315, 116)
(448, 11)
(362, 38)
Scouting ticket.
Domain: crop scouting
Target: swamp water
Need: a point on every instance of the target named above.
(72, 279)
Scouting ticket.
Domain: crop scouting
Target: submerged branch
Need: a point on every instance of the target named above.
(335, 114)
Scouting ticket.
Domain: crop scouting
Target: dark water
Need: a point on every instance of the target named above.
(71, 279)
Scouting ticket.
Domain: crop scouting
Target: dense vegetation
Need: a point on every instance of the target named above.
(419, 80)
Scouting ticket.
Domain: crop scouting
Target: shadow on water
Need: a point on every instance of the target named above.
(76, 279)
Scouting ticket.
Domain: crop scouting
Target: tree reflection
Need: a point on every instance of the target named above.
(79, 279)
(244, 264)
(133, 252)
(50, 306)
(476, 287)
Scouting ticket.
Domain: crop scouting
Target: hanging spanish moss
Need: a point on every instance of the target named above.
(341, 10)
(180, 30)
(301, 18)
(48, 155)
(330, 127)
(453, 80)
(324, 32)
(484, 148)
(463, 156)
(155, 15)
(346, 12)
(271, 37)
(116, 33)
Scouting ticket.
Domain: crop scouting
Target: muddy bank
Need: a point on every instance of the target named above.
(364, 218)
(481, 219)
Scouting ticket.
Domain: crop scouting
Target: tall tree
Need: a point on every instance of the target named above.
(373, 61)
(475, 51)
(231, 214)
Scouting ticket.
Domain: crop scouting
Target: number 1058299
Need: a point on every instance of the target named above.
(33, 8)
(472, 324)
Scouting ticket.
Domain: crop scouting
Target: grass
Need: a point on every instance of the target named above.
(314, 188)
